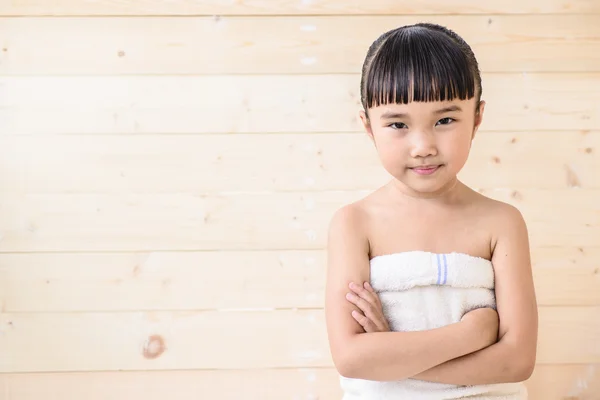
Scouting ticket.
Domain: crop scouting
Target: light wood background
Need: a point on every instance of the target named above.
(168, 170)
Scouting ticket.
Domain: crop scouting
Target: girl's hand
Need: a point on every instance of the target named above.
(371, 318)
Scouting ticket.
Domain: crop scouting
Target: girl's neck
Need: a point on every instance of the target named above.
(450, 193)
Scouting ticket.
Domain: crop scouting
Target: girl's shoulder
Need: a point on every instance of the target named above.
(495, 208)
(502, 217)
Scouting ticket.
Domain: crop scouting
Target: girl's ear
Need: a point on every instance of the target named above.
(478, 118)
(366, 123)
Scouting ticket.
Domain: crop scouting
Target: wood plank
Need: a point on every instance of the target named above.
(565, 382)
(307, 162)
(162, 340)
(290, 7)
(304, 103)
(305, 45)
(560, 327)
(566, 276)
(161, 281)
(79, 282)
(243, 220)
(549, 382)
(263, 384)
(32, 342)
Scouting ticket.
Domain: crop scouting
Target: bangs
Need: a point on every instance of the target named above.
(420, 65)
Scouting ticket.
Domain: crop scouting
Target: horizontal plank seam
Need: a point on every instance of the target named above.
(176, 370)
(225, 310)
(156, 371)
(135, 75)
(227, 250)
(162, 370)
(292, 15)
(586, 71)
(574, 131)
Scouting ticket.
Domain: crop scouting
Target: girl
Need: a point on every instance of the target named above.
(429, 290)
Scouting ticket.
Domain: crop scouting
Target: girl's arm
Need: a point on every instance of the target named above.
(513, 358)
(383, 355)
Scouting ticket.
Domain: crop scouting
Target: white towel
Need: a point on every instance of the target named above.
(422, 290)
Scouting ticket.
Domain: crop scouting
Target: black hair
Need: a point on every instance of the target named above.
(421, 62)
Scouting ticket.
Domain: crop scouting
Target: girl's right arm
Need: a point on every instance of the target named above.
(383, 356)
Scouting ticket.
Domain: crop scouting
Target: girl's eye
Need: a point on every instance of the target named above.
(445, 121)
(398, 125)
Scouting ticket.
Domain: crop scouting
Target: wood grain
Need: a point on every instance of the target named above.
(246, 104)
(549, 382)
(256, 384)
(162, 340)
(304, 45)
(163, 163)
(32, 342)
(289, 7)
(565, 382)
(244, 221)
(214, 163)
(83, 282)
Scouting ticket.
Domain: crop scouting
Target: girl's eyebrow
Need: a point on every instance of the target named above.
(448, 109)
(392, 114)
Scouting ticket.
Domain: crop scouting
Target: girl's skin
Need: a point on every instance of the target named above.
(429, 209)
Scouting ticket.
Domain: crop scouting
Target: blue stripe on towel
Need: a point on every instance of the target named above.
(445, 270)
(439, 266)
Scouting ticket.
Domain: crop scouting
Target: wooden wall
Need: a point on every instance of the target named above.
(168, 170)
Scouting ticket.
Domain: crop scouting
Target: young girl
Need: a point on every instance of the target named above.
(429, 289)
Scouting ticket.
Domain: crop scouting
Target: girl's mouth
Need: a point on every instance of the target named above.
(426, 169)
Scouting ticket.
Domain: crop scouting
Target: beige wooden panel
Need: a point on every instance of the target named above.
(225, 340)
(569, 285)
(308, 162)
(267, 104)
(172, 45)
(270, 384)
(275, 221)
(162, 340)
(229, 280)
(565, 382)
(549, 382)
(293, 7)
(162, 281)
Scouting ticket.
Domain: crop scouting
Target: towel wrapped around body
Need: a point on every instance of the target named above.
(419, 291)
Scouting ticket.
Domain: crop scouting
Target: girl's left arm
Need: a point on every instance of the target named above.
(513, 357)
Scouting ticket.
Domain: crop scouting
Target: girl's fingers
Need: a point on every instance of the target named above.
(365, 322)
(374, 296)
(367, 301)
(370, 324)
(361, 303)
(374, 316)
(367, 307)
(364, 293)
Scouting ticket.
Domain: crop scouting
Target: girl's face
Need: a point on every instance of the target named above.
(424, 145)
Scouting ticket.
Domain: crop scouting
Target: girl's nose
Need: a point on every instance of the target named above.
(423, 145)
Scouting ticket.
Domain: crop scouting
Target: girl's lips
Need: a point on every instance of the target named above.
(426, 170)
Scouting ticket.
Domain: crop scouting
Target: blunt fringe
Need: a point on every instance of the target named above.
(422, 62)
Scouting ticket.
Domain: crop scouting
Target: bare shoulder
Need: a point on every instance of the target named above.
(349, 223)
(348, 217)
(503, 218)
(508, 223)
(347, 236)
